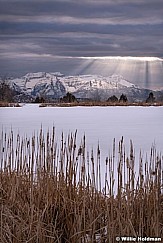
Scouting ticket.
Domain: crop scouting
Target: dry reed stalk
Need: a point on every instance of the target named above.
(57, 193)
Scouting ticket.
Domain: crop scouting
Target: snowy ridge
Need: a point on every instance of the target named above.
(90, 82)
(56, 84)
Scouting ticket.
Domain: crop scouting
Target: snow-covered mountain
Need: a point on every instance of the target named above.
(56, 85)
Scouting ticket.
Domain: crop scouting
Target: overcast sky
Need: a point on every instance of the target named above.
(38, 35)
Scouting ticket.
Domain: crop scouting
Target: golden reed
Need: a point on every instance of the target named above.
(59, 193)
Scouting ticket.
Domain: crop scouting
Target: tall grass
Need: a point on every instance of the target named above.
(53, 192)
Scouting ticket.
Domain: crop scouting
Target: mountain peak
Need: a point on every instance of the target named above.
(55, 85)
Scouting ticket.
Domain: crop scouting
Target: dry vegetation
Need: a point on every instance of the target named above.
(6, 104)
(100, 103)
(57, 193)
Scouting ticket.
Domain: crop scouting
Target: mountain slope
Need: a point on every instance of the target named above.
(56, 85)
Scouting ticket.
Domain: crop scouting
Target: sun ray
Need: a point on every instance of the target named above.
(149, 59)
(145, 72)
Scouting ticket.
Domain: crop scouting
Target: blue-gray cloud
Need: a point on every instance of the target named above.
(39, 28)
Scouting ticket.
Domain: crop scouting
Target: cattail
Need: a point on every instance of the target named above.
(53, 192)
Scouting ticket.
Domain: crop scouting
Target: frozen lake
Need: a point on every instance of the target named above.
(143, 125)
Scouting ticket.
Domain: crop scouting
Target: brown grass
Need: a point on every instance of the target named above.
(57, 193)
(7, 104)
(100, 103)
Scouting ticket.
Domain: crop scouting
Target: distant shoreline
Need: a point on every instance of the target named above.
(73, 104)
(6, 104)
(89, 104)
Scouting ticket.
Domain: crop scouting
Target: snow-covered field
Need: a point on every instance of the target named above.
(143, 125)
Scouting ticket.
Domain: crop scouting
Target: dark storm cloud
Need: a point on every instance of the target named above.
(44, 28)
(81, 13)
(81, 8)
(67, 39)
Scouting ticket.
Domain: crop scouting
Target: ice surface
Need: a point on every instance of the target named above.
(143, 125)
